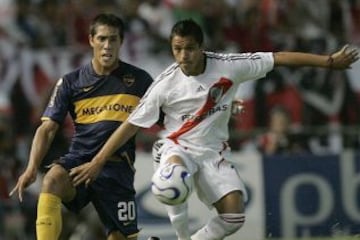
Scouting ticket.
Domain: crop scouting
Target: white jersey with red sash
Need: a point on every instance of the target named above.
(198, 108)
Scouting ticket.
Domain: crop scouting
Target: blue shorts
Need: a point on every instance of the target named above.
(112, 194)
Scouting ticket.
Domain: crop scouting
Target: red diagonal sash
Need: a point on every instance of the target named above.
(221, 87)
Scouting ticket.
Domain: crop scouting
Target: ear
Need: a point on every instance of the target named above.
(91, 40)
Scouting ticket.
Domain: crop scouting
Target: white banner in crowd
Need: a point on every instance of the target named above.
(290, 196)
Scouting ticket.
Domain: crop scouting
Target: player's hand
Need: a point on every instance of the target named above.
(85, 173)
(344, 58)
(25, 180)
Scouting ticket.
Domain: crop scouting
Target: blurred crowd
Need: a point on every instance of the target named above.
(291, 111)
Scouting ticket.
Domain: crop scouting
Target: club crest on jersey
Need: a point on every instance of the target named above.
(216, 93)
(128, 80)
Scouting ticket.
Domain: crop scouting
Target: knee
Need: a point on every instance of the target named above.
(231, 222)
(50, 181)
(55, 180)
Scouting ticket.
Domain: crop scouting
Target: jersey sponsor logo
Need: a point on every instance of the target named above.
(105, 108)
(110, 107)
(211, 111)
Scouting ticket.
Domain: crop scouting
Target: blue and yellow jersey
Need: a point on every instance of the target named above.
(97, 105)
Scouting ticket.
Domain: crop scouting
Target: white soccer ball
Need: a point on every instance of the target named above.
(172, 184)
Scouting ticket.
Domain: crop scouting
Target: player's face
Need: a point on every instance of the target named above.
(188, 54)
(106, 47)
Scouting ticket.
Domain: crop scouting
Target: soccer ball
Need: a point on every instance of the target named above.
(172, 184)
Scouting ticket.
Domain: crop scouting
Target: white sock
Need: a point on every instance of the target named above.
(179, 219)
(220, 226)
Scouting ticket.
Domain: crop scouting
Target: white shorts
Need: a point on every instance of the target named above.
(214, 176)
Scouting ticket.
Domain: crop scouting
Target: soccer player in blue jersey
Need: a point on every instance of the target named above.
(99, 96)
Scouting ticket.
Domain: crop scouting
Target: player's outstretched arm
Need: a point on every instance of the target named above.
(340, 60)
(87, 172)
(42, 140)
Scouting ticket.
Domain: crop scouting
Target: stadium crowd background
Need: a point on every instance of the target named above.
(321, 107)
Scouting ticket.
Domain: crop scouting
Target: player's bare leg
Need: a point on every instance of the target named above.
(230, 218)
(57, 181)
(56, 186)
(175, 160)
(231, 203)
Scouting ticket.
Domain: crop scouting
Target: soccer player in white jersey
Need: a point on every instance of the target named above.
(195, 94)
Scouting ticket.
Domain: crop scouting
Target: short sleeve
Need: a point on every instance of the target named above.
(253, 66)
(147, 113)
(57, 107)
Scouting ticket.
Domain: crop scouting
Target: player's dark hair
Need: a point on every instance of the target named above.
(109, 20)
(188, 28)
